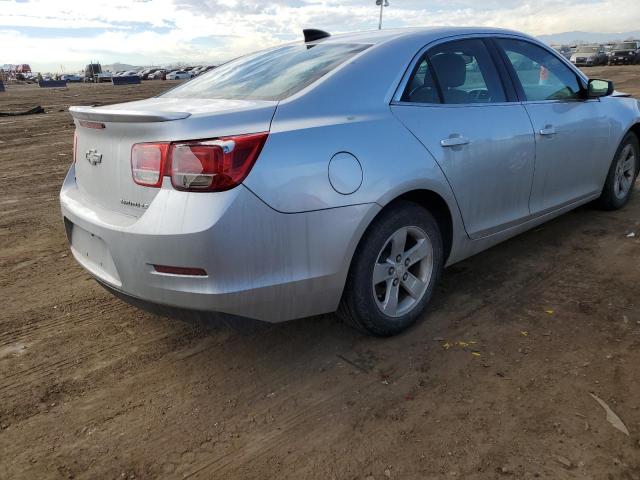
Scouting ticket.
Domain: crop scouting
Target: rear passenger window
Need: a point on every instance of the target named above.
(421, 88)
(543, 76)
(456, 72)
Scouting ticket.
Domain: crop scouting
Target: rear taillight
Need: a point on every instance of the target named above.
(147, 163)
(75, 144)
(199, 166)
(214, 165)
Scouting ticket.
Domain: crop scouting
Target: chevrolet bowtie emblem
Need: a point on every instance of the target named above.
(93, 157)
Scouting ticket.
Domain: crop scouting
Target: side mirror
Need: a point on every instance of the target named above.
(599, 88)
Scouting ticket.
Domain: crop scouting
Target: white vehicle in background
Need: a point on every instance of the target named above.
(179, 75)
(158, 75)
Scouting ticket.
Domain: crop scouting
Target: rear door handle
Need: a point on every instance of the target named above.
(454, 141)
(548, 130)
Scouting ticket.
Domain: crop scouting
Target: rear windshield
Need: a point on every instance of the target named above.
(270, 75)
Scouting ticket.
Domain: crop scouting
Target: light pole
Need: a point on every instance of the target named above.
(382, 3)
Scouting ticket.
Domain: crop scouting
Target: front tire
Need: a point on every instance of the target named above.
(622, 175)
(394, 271)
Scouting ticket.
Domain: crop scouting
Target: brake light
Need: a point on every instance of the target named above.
(198, 166)
(75, 144)
(214, 166)
(147, 163)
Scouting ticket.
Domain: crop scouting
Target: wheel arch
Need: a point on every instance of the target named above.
(434, 203)
(431, 201)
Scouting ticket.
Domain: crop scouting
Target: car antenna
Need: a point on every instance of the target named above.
(313, 34)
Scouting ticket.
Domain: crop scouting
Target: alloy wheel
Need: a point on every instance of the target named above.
(402, 271)
(625, 172)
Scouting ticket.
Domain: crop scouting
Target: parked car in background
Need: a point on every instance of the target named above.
(144, 74)
(200, 70)
(625, 53)
(179, 75)
(93, 73)
(158, 75)
(32, 77)
(197, 71)
(564, 50)
(276, 187)
(589, 55)
(608, 50)
(71, 78)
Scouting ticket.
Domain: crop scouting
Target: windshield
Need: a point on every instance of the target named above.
(270, 75)
(587, 50)
(625, 46)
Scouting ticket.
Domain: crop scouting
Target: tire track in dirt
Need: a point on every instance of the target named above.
(223, 465)
(47, 326)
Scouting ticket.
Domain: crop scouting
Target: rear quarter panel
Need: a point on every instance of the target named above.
(291, 174)
(623, 113)
(348, 111)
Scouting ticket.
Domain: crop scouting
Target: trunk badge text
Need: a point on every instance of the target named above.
(131, 203)
(93, 157)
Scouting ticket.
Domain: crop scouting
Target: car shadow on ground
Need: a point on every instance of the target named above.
(479, 279)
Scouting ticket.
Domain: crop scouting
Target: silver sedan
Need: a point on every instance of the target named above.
(341, 173)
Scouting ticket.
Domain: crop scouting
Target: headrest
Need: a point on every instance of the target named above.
(450, 68)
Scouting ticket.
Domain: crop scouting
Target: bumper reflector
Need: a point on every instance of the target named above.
(198, 272)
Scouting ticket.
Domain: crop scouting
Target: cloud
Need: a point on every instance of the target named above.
(48, 33)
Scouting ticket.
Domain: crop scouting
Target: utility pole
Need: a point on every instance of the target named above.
(382, 3)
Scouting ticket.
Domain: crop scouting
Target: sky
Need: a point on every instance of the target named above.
(64, 35)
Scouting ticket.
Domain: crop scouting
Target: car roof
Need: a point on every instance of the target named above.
(425, 34)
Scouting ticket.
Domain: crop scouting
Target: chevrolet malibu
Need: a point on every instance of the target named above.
(341, 173)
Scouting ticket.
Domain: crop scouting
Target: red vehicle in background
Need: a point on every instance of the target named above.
(23, 68)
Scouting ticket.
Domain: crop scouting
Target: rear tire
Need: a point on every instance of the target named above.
(394, 271)
(618, 187)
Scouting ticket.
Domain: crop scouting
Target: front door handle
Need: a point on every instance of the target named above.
(548, 130)
(454, 141)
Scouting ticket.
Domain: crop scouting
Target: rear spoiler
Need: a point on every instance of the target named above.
(104, 114)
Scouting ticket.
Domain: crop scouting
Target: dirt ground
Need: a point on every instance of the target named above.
(494, 383)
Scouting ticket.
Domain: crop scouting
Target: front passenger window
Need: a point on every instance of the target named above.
(542, 75)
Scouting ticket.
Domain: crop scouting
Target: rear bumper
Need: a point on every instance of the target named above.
(260, 263)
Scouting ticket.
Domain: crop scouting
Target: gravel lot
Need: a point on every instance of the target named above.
(494, 383)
